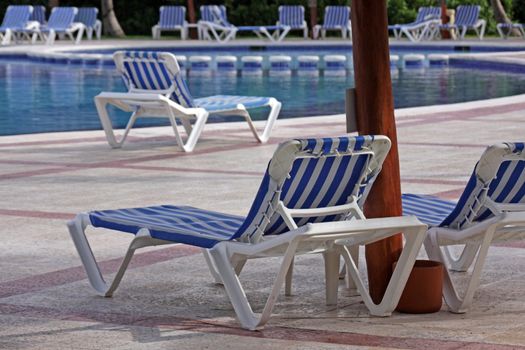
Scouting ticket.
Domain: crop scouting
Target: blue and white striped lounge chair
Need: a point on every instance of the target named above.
(424, 27)
(506, 29)
(214, 24)
(88, 17)
(16, 19)
(171, 18)
(309, 201)
(156, 88)
(293, 16)
(39, 14)
(61, 22)
(491, 209)
(335, 18)
(467, 17)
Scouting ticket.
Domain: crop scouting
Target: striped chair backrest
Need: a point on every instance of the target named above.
(153, 72)
(314, 173)
(16, 17)
(39, 14)
(87, 16)
(426, 13)
(500, 176)
(292, 16)
(62, 17)
(336, 16)
(215, 13)
(467, 15)
(172, 16)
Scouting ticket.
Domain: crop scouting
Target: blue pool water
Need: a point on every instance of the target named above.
(49, 97)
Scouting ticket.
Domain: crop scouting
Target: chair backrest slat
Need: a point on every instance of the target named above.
(467, 15)
(292, 15)
(172, 16)
(39, 14)
(16, 16)
(499, 176)
(62, 17)
(336, 16)
(87, 16)
(153, 72)
(314, 173)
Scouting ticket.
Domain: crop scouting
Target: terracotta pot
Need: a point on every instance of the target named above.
(424, 288)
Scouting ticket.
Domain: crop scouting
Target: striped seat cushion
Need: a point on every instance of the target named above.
(182, 224)
(467, 15)
(227, 102)
(429, 209)
(39, 14)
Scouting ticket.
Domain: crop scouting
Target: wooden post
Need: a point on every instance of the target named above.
(375, 115)
(192, 18)
(312, 5)
(445, 34)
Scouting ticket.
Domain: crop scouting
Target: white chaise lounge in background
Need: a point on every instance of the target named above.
(156, 88)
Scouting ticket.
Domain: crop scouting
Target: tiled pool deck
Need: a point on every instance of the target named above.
(167, 298)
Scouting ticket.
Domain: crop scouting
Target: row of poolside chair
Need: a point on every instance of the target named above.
(214, 24)
(310, 201)
(428, 24)
(29, 22)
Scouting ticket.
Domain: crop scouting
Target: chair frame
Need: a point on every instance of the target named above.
(227, 258)
(507, 223)
(303, 27)
(50, 36)
(506, 29)
(157, 30)
(157, 103)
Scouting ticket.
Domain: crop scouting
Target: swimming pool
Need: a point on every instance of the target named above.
(49, 97)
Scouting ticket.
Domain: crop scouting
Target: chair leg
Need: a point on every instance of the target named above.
(331, 265)
(77, 229)
(6, 40)
(101, 105)
(465, 259)
(247, 318)
(289, 277)
(457, 303)
(414, 238)
(275, 108)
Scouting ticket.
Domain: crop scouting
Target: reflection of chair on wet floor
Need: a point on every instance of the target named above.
(309, 201)
(491, 209)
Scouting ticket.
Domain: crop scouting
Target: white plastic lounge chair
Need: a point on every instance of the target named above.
(467, 17)
(491, 209)
(61, 22)
(171, 18)
(88, 17)
(156, 88)
(505, 29)
(309, 202)
(293, 16)
(16, 19)
(427, 21)
(335, 18)
(214, 24)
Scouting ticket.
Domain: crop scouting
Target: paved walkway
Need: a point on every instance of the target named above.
(167, 298)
